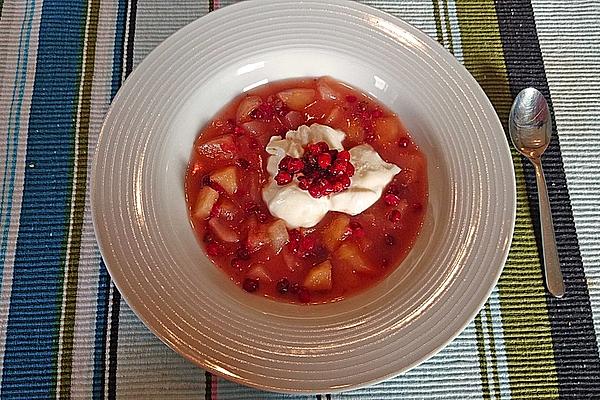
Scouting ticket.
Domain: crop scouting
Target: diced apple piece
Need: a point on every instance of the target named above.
(278, 234)
(259, 271)
(298, 98)
(318, 278)
(222, 147)
(294, 119)
(292, 262)
(326, 88)
(352, 256)
(258, 236)
(227, 178)
(387, 129)
(335, 115)
(207, 197)
(256, 128)
(355, 132)
(228, 210)
(247, 105)
(222, 231)
(336, 231)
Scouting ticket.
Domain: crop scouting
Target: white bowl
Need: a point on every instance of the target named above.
(152, 254)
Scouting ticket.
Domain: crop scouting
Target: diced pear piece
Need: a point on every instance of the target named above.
(207, 197)
(352, 256)
(387, 129)
(278, 234)
(293, 119)
(259, 271)
(318, 278)
(222, 147)
(222, 231)
(334, 115)
(298, 98)
(227, 178)
(258, 236)
(326, 87)
(336, 231)
(247, 105)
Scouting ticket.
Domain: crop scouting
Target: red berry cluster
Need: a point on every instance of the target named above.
(321, 171)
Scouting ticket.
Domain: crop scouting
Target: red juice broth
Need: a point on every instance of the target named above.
(384, 233)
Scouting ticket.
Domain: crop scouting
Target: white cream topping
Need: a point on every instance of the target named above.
(296, 206)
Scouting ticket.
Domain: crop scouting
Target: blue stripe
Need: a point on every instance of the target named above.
(104, 280)
(15, 114)
(34, 316)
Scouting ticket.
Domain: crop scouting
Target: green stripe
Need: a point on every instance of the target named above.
(79, 192)
(438, 22)
(494, 359)
(526, 327)
(485, 385)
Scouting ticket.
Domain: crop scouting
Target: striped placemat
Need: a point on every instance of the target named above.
(64, 329)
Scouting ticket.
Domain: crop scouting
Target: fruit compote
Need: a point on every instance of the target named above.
(339, 254)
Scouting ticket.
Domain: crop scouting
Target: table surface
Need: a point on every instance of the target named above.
(66, 332)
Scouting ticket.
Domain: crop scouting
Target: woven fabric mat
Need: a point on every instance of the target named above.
(64, 329)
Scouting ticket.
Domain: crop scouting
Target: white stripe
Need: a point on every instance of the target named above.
(500, 347)
(569, 37)
(455, 31)
(107, 342)
(88, 271)
(10, 27)
(446, 37)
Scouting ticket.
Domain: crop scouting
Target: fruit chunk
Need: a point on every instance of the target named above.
(298, 98)
(278, 234)
(246, 107)
(258, 236)
(207, 197)
(319, 278)
(227, 178)
(387, 129)
(220, 148)
(257, 128)
(259, 272)
(336, 232)
(222, 231)
(352, 256)
(293, 119)
(326, 88)
(335, 115)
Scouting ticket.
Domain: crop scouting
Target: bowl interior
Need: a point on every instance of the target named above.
(204, 99)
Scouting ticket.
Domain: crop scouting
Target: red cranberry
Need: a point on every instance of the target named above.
(284, 164)
(307, 244)
(237, 263)
(206, 180)
(362, 105)
(213, 249)
(243, 163)
(250, 285)
(242, 253)
(389, 239)
(324, 160)
(391, 199)
(323, 147)
(208, 238)
(303, 183)
(403, 142)
(303, 294)
(395, 216)
(283, 178)
(377, 113)
(357, 228)
(315, 191)
(295, 165)
(345, 180)
(283, 285)
(294, 288)
(238, 130)
(351, 98)
(344, 155)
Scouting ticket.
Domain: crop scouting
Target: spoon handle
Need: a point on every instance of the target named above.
(554, 278)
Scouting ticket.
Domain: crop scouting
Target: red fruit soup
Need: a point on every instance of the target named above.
(341, 254)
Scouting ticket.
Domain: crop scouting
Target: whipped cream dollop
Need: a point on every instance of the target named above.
(296, 206)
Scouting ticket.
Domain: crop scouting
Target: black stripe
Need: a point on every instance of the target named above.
(328, 396)
(211, 5)
(116, 299)
(208, 386)
(575, 347)
(130, 38)
(112, 349)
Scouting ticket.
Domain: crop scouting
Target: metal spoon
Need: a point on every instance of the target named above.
(530, 129)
